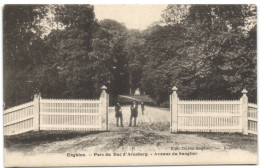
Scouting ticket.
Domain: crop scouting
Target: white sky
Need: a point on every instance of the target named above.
(132, 15)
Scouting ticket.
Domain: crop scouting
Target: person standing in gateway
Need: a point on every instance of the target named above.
(142, 107)
(118, 114)
(134, 113)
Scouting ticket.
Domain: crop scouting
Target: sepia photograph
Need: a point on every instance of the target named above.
(129, 84)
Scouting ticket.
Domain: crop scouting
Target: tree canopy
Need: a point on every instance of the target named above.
(207, 51)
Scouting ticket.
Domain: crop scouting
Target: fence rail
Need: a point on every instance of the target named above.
(213, 115)
(58, 114)
(18, 108)
(209, 102)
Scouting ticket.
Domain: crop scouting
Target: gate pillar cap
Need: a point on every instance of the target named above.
(103, 87)
(244, 91)
(174, 88)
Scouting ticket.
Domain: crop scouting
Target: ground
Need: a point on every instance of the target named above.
(152, 134)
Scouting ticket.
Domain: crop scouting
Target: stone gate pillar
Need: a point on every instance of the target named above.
(244, 111)
(36, 112)
(174, 110)
(104, 98)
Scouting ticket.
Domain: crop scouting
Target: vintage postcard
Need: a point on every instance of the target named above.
(129, 85)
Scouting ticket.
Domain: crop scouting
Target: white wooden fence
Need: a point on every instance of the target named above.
(19, 119)
(58, 114)
(252, 118)
(213, 116)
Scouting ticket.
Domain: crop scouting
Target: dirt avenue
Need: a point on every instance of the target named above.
(151, 135)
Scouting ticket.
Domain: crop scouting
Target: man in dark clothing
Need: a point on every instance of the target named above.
(118, 115)
(142, 107)
(134, 113)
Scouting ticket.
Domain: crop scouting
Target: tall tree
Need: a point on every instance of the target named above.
(206, 53)
(134, 48)
(22, 49)
(109, 53)
(74, 47)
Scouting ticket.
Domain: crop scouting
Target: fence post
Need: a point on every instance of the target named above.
(36, 112)
(174, 110)
(244, 110)
(104, 109)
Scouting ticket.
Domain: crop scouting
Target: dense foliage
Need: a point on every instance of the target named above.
(207, 51)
